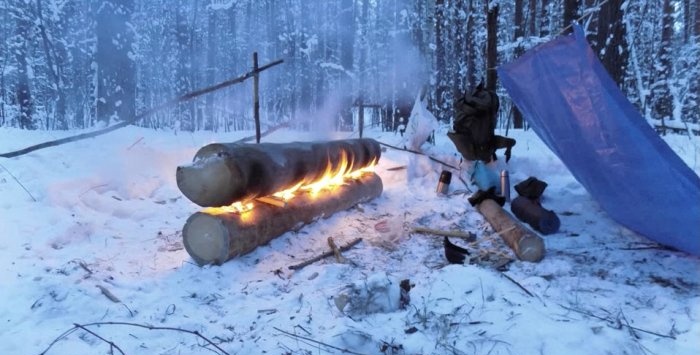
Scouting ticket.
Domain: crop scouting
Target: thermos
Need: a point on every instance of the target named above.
(444, 182)
(505, 185)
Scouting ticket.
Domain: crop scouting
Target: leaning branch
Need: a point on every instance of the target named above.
(325, 255)
(183, 98)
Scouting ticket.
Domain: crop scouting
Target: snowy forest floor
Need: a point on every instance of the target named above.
(103, 217)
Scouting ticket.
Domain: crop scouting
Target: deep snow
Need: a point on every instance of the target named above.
(108, 213)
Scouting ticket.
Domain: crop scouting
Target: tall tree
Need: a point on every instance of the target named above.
(116, 71)
(610, 42)
(570, 14)
(491, 45)
(518, 37)
(22, 91)
(441, 86)
(662, 101)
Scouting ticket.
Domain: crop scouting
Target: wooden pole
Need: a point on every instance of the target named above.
(256, 97)
(361, 114)
(183, 98)
(527, 245)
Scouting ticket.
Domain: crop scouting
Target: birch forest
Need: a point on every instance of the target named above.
(76, 64)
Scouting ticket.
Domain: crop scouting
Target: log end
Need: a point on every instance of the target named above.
(530, 248)
(206, 239)
(208, 182)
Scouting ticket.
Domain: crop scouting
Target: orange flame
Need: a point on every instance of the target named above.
(335, 175)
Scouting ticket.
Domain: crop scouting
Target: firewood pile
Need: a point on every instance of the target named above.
(253, 193)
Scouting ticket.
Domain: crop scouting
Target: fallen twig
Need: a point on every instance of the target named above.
(18, 182)
(324, 255)
(135, 143)
(518, 284)
(108, 294)
(292, 335)
(149, 327)
(111, 343)
(626, 324)
(334, 248)
(453, 233)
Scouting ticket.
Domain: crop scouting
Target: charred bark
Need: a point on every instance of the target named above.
(225, 173)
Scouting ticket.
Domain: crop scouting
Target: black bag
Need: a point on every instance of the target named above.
(474, 125)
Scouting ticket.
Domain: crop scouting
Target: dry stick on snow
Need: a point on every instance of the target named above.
(112, 345)
(607, 319)
(183, 98)
(325, 255)
(338, 257)
(20, 184)
(149, 327)
(452, 233)
(518, 284)
(292, 335)
(135, 143)
(420, 153)
(108, 294)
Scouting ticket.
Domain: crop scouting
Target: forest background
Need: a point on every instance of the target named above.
(74, 64)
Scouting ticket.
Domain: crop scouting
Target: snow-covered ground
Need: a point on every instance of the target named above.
(103, 217)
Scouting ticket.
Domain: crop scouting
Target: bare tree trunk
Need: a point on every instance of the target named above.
(544, 19)
(471, 48)
(116, 72)
(24, 96)
(662, 102)
(532, 19)
(611, 45)
(52, 62)
(440, 60)
(518, 36)
(570, 14)
(209, 122)
(491, 46)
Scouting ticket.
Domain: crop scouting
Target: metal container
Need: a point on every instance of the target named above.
(505, 185)
(444, 182)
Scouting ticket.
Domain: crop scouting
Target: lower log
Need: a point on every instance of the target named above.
(527, 245)
(212, 237)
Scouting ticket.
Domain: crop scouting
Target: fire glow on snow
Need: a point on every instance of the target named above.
(102, 243)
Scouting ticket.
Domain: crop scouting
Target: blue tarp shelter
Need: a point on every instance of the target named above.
(574, 106)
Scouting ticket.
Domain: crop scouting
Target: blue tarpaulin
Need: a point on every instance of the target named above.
(574, 106)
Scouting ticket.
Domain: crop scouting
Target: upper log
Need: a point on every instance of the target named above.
(527, 245)
(223, 173)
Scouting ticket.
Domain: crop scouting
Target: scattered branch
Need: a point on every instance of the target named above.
(325, 255)
(609, 320)
(453, 233)
(518, 284)
(112, 345)
(20, 184)
(295, 336)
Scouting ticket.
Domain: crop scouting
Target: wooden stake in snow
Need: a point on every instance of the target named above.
(527, 245)
(212, 237)
(225, 173)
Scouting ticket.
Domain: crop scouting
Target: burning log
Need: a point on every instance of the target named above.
(217, 235)
(526, 244)
(225, 173)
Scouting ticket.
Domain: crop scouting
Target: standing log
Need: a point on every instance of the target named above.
(223, 173)
(213, 238)
(526, 244)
